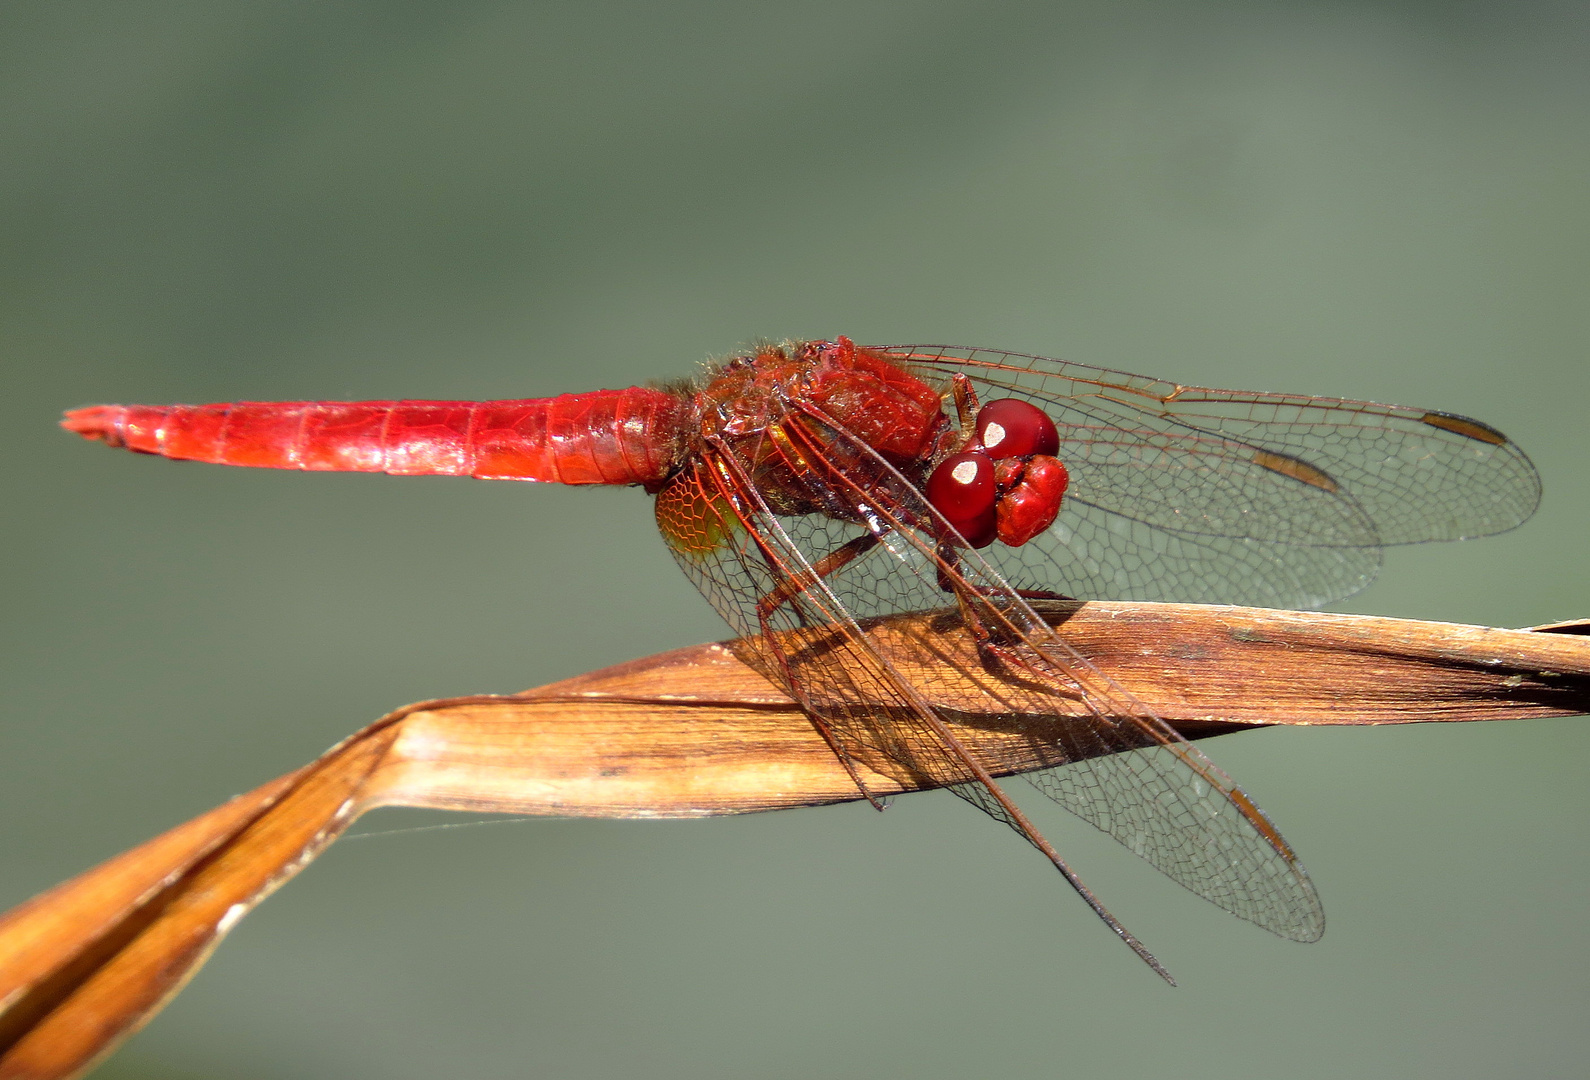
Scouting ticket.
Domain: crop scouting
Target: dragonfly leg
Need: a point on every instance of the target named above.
(965, 398)
(1042, 594)
(830, 564)
(997, 658)
(949, 577)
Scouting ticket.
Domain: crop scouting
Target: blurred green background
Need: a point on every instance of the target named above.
(212, 201)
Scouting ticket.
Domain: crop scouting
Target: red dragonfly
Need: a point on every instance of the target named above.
(807, 487)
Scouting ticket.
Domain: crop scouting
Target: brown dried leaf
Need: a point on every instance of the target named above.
(697, 732)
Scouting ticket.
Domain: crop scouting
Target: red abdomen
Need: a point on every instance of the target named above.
(634, 436)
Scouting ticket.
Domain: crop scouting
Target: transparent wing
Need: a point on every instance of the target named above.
(1208, 495)
(863, 545)
(1090, 553)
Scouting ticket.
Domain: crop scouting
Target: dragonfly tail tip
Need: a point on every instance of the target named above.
(93, 422)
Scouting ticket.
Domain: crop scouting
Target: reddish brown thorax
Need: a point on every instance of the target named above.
(892, 411)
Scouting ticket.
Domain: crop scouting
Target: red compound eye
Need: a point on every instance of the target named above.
(1011, 427)
(962, 489)
(980, 531)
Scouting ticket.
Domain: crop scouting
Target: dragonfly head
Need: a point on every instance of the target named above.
(1005, 483)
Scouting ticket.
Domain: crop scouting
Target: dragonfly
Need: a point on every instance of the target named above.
(810, 488)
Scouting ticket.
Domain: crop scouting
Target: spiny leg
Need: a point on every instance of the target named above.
(789, 588)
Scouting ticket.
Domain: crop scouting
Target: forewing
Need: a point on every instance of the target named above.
(1110, 761)
(1191, 493)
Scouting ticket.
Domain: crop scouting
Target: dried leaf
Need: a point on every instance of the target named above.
(698, 732)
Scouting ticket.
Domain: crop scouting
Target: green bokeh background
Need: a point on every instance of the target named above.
(211, 201)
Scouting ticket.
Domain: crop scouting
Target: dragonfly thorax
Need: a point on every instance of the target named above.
(889, 409)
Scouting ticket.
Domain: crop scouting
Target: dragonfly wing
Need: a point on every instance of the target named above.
(1112, 762)
(1213, 476)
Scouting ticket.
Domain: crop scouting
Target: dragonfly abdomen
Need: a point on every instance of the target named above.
(633, 436)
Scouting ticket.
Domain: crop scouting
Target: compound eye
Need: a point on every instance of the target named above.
(962, 487)
(980, 531)
(1010, 427)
